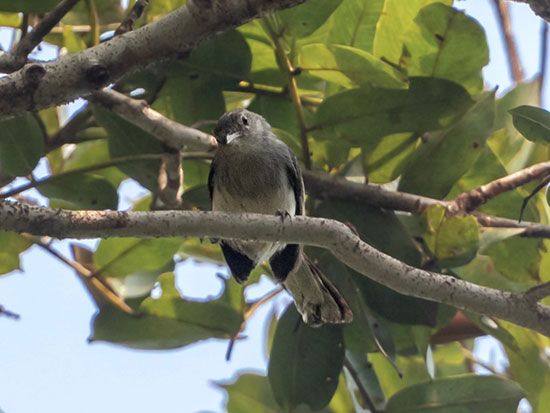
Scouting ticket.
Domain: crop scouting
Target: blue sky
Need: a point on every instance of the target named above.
(47, 365)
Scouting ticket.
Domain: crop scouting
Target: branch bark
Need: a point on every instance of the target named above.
(470, 200)
(138, 112)
(10, 62)
(41, 85)
(329, 234)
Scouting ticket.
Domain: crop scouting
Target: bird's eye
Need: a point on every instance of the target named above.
(244, 120)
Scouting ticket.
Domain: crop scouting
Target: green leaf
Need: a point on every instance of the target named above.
(11, 245)
(396, 18)
(126, 139)
(533, 123)
(348, 66)
(250, 393)
(373, 112)
(439, 44)
(529, 365)
(116, 257)
(305, 362)
(193, 89)
(21, 144)
(468, 393)
(450, 154)
(385, 160)
(303, 20)
(167, 322)
(365, 374)
(28, 6)
(354, 23)
(92, 153)
(454, 240)
(511, 148)
(84, 191)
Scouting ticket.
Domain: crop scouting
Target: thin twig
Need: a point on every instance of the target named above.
(362, 391)
(77, 171)
(511, 48)
(535, 191)
(543, 59)
(291, 72)
(471, 357)
(99, 285)
(470, 200)
(249, 312)
(93, 16)
(102, 165)
(267, 90)
(538, 292)
(9, 314)
(127, 24)
(170, 180)
(18, 58)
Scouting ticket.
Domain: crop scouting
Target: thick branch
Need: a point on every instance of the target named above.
(14, 61)
(332, 235)
(38, 86)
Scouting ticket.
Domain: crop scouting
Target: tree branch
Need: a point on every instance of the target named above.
(538, 292)
(329, 234)
(14, 61)
(8, 313)
(138, 112)
(511, 48)
(127, 25)
(470, 200)
(41, 85)
(319, 185)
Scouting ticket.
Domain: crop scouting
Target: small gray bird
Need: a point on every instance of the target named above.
(253, 171)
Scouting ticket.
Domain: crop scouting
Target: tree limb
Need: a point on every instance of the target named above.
(169, 132)
(325, 233)
(319, 185)
(470, 200)
(10, 62)
(41, 85)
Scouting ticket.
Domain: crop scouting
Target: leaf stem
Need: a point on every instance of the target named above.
(286, 66)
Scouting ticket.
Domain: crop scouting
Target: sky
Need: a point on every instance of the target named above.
(47, 365)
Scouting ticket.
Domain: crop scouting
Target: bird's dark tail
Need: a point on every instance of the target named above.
(316, 298)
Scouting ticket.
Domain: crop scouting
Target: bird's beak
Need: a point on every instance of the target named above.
(231, 136)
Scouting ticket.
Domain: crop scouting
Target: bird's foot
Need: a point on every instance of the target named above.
(283, 214)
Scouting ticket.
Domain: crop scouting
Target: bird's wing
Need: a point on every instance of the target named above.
(296, 182)
(211, 179)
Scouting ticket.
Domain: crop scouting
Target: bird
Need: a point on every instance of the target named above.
(253, 171)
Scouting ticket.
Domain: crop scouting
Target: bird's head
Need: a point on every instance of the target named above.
(238, 124)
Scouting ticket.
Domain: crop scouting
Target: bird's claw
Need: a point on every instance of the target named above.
(283, 214)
